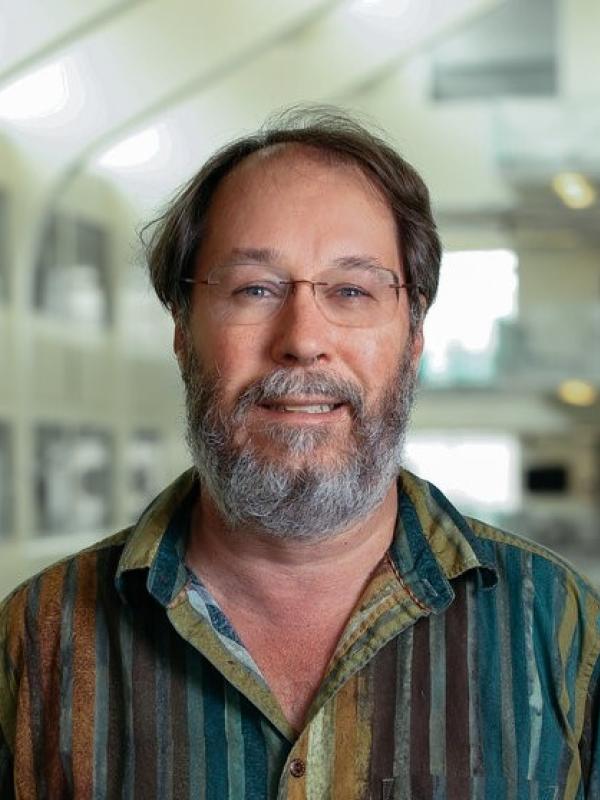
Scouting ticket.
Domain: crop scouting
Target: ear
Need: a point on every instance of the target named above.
(179, 336)
(418, 339)
(417, 344)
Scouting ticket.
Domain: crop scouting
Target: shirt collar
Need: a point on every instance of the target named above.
(157, 542)
(433, 543)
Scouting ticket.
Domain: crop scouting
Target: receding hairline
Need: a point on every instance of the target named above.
(308, 153)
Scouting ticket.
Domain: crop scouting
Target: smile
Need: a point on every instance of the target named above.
(307, 409)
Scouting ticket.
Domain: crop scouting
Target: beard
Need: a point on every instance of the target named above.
(273, 496)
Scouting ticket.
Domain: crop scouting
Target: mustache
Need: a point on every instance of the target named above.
(282, 382)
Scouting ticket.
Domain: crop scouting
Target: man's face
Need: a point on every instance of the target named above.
(298, 393)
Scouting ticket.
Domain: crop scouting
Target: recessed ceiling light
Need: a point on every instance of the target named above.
(40, 94)
(134, 151)
(577, 393)
(574, 189)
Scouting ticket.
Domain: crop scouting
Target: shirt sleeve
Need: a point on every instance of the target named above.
(7, 786)
(7, 708)
(590, 740)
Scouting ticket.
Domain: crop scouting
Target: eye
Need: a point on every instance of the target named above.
(253, 291)
(349, 292)
(257, 291)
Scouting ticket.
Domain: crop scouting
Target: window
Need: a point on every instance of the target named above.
(480, 472)
(478, 290)
(72, 280)
(73, 480)
(145, 471)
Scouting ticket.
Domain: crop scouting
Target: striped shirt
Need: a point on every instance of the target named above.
(468, 670)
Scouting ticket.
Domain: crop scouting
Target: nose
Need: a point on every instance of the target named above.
(300, 332)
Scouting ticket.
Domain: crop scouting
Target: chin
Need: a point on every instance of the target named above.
(296, 445)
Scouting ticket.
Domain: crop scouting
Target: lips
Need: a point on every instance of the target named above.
(311, 395)
(320, 408)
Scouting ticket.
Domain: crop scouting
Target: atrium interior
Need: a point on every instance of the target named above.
(107, 108)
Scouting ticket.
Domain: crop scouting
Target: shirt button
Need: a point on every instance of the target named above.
(297, 767)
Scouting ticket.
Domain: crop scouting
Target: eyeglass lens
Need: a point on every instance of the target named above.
(356, 297)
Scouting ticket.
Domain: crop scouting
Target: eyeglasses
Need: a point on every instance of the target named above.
(356, 297)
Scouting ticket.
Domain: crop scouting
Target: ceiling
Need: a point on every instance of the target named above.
(488, 98)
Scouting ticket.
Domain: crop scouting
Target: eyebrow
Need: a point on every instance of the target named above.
(361, 262)
(251, 255)
(271, 257)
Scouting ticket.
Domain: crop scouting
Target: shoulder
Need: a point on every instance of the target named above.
(558, 593)
(512, 544)
(44, 595)
(41, 613)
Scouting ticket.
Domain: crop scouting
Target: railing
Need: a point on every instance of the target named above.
(539, 349)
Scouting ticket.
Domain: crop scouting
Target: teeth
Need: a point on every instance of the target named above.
(320, 409)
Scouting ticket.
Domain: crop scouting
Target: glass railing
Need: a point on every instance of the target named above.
(540, 348)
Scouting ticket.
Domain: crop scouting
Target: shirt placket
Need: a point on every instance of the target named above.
(387, 610)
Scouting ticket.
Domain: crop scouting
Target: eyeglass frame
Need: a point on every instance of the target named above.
(396, 286)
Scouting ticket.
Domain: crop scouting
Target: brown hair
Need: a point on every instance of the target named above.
(175, 236)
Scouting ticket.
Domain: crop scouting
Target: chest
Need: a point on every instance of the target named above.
(440, 710)
(292, 653)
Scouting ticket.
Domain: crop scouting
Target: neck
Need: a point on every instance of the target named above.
(267, 569)
(289, 600)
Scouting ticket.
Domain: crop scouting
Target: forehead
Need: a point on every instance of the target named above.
(298, 157)
(295, 190)
(294, 165)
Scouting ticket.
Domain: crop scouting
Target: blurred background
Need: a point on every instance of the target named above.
(107, 107)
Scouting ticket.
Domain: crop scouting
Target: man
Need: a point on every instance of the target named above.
(297, 616)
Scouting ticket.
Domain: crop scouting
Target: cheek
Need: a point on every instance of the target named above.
(232, 353)
(376, 357)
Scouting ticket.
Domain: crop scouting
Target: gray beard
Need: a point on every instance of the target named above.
(311, 502)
